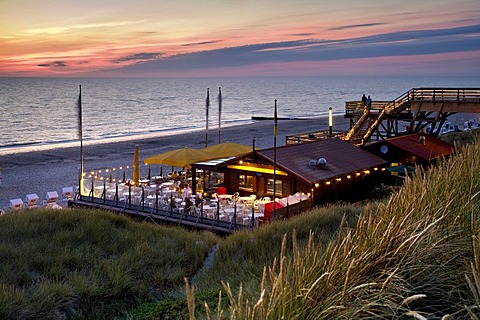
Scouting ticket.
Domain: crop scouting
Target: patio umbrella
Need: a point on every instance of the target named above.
(179, 157)
(227, 149)
(136, 167)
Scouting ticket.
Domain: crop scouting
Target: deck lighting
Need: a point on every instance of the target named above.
(375, 169)
(358, 173)
(309, 194)
(383, 169)
(240, 162)
(367, 171)
(327, 183)
(120, 168)
(317, 184)
(349, 176)
(339, 179)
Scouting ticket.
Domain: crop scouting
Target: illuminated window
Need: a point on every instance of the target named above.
(245, 182)
(278, 187)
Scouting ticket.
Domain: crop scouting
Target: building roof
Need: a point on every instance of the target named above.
(432, 149)
(341, 157)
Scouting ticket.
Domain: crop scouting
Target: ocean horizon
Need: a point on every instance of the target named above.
(41, 113)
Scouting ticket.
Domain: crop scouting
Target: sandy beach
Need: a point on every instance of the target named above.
(51, 170)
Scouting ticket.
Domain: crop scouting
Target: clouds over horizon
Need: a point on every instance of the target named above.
(405, 43)
(55, 64)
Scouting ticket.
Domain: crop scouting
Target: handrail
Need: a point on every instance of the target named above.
(357, 124)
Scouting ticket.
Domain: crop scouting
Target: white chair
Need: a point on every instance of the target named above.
(67, 193)
(16, 204)
(31, 200)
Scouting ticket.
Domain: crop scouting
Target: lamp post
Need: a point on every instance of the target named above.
(330, 122)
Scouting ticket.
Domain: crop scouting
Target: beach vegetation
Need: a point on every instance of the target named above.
(87, 264)
(415, 255)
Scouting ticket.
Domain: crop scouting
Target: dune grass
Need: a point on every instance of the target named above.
(84, 264)
(413, 256)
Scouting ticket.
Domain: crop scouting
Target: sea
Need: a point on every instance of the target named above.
(43, 112)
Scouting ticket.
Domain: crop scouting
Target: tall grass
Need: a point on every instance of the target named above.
(63, 264)
(411, 256)
(242, 256)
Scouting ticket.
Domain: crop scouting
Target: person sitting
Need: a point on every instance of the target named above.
(198, 200)
(174, 175)
(188, 205)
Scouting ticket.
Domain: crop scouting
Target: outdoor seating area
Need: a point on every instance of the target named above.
(168, 195)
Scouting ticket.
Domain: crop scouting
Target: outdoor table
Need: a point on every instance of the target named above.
(167, 184)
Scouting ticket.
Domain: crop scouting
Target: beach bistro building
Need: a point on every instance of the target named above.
(324, 170)
(412, 149)
(406, 152)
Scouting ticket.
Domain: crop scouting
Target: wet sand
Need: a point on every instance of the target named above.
(50, 170)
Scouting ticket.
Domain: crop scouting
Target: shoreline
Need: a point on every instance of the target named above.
(51, 169)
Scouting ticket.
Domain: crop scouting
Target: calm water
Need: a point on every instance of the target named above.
(38, 111)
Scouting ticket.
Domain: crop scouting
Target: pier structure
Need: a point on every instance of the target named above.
(418, 108)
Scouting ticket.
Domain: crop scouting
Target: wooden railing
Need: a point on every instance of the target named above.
(445, 94)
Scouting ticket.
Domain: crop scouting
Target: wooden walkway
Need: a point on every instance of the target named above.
(419, 107)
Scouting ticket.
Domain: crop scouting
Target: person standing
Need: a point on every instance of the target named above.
(364, 100)
(369, 103)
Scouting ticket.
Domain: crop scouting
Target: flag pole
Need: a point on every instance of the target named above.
(219, 113)
(275, 131)
(80, 136)
(206, 124)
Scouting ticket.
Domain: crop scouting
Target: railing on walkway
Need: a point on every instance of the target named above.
(151, 204)
(313, 136)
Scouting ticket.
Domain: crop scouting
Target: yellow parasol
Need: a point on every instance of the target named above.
(136, 167)
(179, 157)
(227, 149)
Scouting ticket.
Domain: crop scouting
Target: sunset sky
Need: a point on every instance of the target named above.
(180, 38)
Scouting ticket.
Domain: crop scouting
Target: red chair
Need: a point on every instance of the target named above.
(221, 190)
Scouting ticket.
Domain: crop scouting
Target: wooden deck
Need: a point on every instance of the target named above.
(142, 212)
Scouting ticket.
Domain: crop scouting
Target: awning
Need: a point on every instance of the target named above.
(187, 156)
